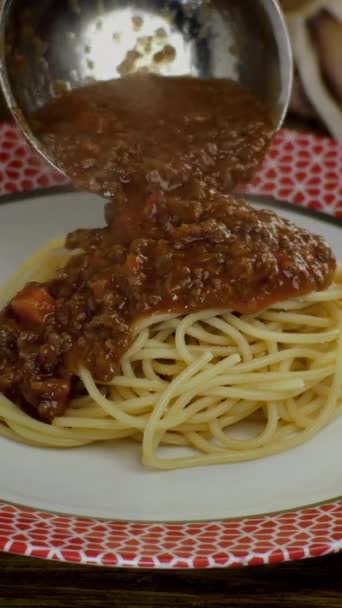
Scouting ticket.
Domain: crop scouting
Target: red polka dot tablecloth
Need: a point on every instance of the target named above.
(303, 169)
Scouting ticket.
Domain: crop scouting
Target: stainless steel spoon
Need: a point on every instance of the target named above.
(49, 46)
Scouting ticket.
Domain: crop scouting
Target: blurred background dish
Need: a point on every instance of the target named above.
(315, 28)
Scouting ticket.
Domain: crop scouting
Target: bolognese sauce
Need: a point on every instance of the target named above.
(167, 153)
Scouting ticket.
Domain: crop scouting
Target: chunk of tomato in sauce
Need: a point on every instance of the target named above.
(33, 304)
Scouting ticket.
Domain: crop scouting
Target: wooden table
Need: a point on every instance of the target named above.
(314, 583)
(33, 583)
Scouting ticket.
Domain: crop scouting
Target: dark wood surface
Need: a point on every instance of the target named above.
(29, 583)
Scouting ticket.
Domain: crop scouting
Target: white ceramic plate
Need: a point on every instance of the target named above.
(107, 481)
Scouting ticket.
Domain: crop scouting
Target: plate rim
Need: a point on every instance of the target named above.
(137, 543)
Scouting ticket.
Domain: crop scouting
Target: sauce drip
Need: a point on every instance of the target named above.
(156, 133)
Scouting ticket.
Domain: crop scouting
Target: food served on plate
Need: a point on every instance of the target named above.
(187, 314)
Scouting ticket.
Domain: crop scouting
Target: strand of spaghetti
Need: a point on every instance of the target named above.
(138, 344)
(152, 424)
(327, 412)
(11, 413)
(146, 322)
(333, 293)
(133, 405)
(77, 438)
(139, 383)
(239, 338)
(295, 319)
(277, 377)
(181, 330)
(271, 359)
(40, 432)
(160, 352)
(88, 412)
(8, 433)
(311, 407)
(330, 294)
(200, 332)
(174, 439)
(242, 411)
(325, 359)
(91, 423)
(232, 338)
(264, 436)
(283, 338)
(225, 442)
(31, 435)
(136, 422)
(198, 441)
(148, 370)
(186, 408)
(229, 392)
(322, 390)
(211, 371)
(125, 394)
(82, 402)
(138, 404)
(225, 351)
(303, 420)
(167, 369)
(180, 412)
(306, 398)
(198, 414)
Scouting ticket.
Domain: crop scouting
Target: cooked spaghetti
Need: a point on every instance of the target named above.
(226, 387)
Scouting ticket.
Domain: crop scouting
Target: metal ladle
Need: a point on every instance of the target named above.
(50, 46)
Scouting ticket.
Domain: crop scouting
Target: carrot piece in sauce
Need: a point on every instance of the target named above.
(33, 304)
